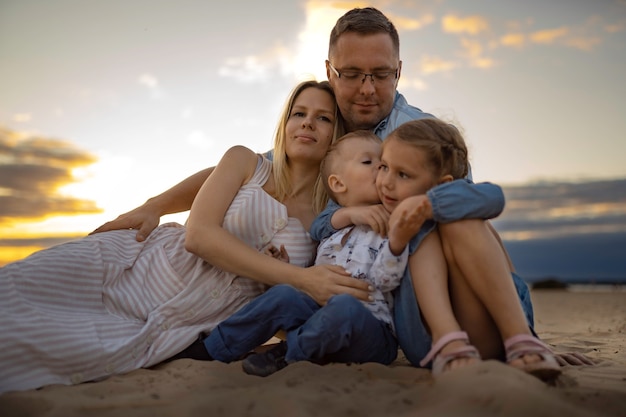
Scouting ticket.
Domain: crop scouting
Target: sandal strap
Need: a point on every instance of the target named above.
(444, 340)
(441, 361)
(532, 346)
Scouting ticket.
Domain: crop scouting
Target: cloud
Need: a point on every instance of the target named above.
(548, 36)
(408, 24)
(615, 27)
(513, 39)
(248, 69)
(416, 83)
(557, 209)
(22, 117)
(471, 24)
(583, 43)
(148, 80)
(434, 64)
(41, 242)
(473, 52)
(152, 83)
(562, 36)
(32, 169)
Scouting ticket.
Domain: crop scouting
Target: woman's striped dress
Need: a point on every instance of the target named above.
(107, 304)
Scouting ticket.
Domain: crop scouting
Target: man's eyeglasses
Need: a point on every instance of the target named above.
(357, 77)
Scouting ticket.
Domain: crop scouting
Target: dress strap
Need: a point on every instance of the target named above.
(262, 172)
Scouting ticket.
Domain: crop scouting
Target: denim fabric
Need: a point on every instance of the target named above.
(410, 330)
(462, 199)
(344, 330)
(321, 227)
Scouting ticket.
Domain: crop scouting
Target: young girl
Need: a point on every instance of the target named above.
(456, 308)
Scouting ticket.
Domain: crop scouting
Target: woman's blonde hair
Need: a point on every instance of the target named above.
(281, 162)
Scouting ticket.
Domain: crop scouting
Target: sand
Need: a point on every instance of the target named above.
(592, 322)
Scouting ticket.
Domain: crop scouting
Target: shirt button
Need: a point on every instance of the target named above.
(265, 238)
(109, 368)
(215, 293)
(336, 248)
(76, 378)
(165, 326)
(280, 223)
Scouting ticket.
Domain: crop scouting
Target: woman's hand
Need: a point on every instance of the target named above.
(323, 281)
(144, 219)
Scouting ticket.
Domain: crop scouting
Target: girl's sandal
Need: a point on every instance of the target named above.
(440, 360)
(547, 369)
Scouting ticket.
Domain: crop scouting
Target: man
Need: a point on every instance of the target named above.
(364, 43)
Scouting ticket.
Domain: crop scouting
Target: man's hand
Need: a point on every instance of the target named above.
(144, 219)
(573, 358)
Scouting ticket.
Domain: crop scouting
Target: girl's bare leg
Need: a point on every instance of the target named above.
(483, 294)
(430, 282)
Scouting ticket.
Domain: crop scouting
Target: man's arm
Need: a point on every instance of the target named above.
(462, 199)
(451, 201)
(322, 227)
(146, 217)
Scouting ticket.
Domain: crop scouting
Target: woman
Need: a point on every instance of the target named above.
(107, 304)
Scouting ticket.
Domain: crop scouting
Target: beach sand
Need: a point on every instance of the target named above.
(588, 321)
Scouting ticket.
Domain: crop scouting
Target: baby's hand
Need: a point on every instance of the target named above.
(280, 254)
(375, 216)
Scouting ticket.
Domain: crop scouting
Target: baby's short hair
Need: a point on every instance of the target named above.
(331, 161)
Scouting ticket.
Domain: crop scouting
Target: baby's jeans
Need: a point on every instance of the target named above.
(343, 330)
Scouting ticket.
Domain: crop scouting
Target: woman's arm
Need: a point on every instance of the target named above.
(207, 238)
(146, 217)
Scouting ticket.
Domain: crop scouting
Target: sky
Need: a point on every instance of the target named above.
(104, 104)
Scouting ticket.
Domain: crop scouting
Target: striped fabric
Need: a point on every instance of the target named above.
(107, 304)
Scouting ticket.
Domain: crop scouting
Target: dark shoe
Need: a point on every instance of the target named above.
(266, 363)
(196, 351)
